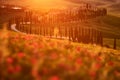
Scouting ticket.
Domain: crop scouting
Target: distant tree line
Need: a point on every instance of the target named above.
(65, 22)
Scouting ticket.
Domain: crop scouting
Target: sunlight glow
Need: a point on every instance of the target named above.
(16, 8)
(48, 4)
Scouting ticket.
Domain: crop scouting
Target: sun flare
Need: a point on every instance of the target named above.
(47, 4)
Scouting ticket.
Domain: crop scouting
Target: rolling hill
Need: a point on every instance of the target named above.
(109, 25)
(113, 6)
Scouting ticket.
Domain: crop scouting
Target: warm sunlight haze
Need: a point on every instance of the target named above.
(48, 4)
(59, 39)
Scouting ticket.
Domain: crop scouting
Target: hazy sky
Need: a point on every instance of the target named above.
(111, 5)
(49, 3)
(38, 4)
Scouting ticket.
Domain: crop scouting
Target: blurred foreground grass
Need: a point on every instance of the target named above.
(31, 57)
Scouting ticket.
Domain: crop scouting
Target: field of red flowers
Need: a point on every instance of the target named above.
(31, 57)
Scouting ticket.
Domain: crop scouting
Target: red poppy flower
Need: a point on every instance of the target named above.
(92, 55)
(9, 60)
(34, 73)
(35, 45)
(78, 61)
(54, 78)
(92, 74)
(33, 61)
(78, 49)
(21, 55)
(18, 68)
(61, 65)
(110, 63)
(98, 58)
(54, 56)
(97, 65)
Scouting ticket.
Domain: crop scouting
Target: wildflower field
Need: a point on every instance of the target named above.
(31, 57)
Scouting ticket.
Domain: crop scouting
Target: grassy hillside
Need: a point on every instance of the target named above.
(113, 6)
(109, 25)
(111, 20)
(113, 23)
(29, 57)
